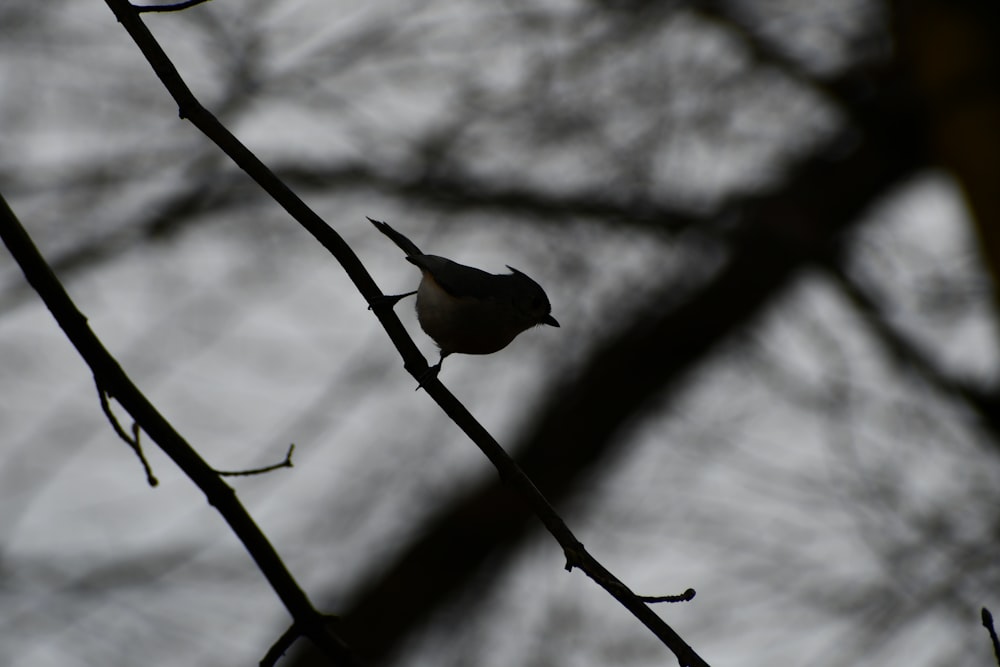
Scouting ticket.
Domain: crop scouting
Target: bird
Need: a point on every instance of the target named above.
(467, 310)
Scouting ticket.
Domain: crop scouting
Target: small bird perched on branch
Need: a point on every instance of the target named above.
(467, 310)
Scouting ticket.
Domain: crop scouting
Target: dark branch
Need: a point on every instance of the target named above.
(112, 380)
(131, 440)
(988, 624)
(280, 647)
(686, 596)
(414, 362)
(175, 7)
(287, 638)
(286, 463)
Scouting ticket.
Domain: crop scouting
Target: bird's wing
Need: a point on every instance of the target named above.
(460, 280)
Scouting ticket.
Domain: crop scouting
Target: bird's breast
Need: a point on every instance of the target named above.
(464, 324)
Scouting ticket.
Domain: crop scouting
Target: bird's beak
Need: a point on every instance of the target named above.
(551, 321)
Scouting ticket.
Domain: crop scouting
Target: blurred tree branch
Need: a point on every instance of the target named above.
(951, 58)
(802, 222)
(899, 347)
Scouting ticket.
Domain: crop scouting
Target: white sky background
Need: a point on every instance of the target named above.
(748, 485)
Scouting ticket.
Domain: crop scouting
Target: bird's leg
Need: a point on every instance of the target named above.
(388, 300)
(431, 372)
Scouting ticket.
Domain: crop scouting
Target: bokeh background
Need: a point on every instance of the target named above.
(768, 228)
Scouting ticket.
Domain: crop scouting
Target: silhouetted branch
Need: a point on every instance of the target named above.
(686, 596)
(414, 362)
(112, 380)
(988, 624)
(279, 647)
(285, 641)
(286, 463)
(175, 7)
(131, 440)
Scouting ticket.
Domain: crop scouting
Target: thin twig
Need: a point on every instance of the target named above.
(131, 440)
(988, 624)
(686, 596)
(281, 646)
(287, 638)
(287, 463)
(176, 7)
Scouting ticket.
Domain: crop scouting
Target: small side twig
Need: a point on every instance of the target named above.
(286, 463)
(175, 7)
(686, 596)
(288, 637)
(131, 440)
(280, 647)
(988, 624)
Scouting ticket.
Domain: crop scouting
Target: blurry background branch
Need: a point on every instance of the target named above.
(578, 428)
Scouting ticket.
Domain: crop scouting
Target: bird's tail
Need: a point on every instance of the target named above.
(405, 244)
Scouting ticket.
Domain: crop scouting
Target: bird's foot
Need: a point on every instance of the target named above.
(429, 374)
